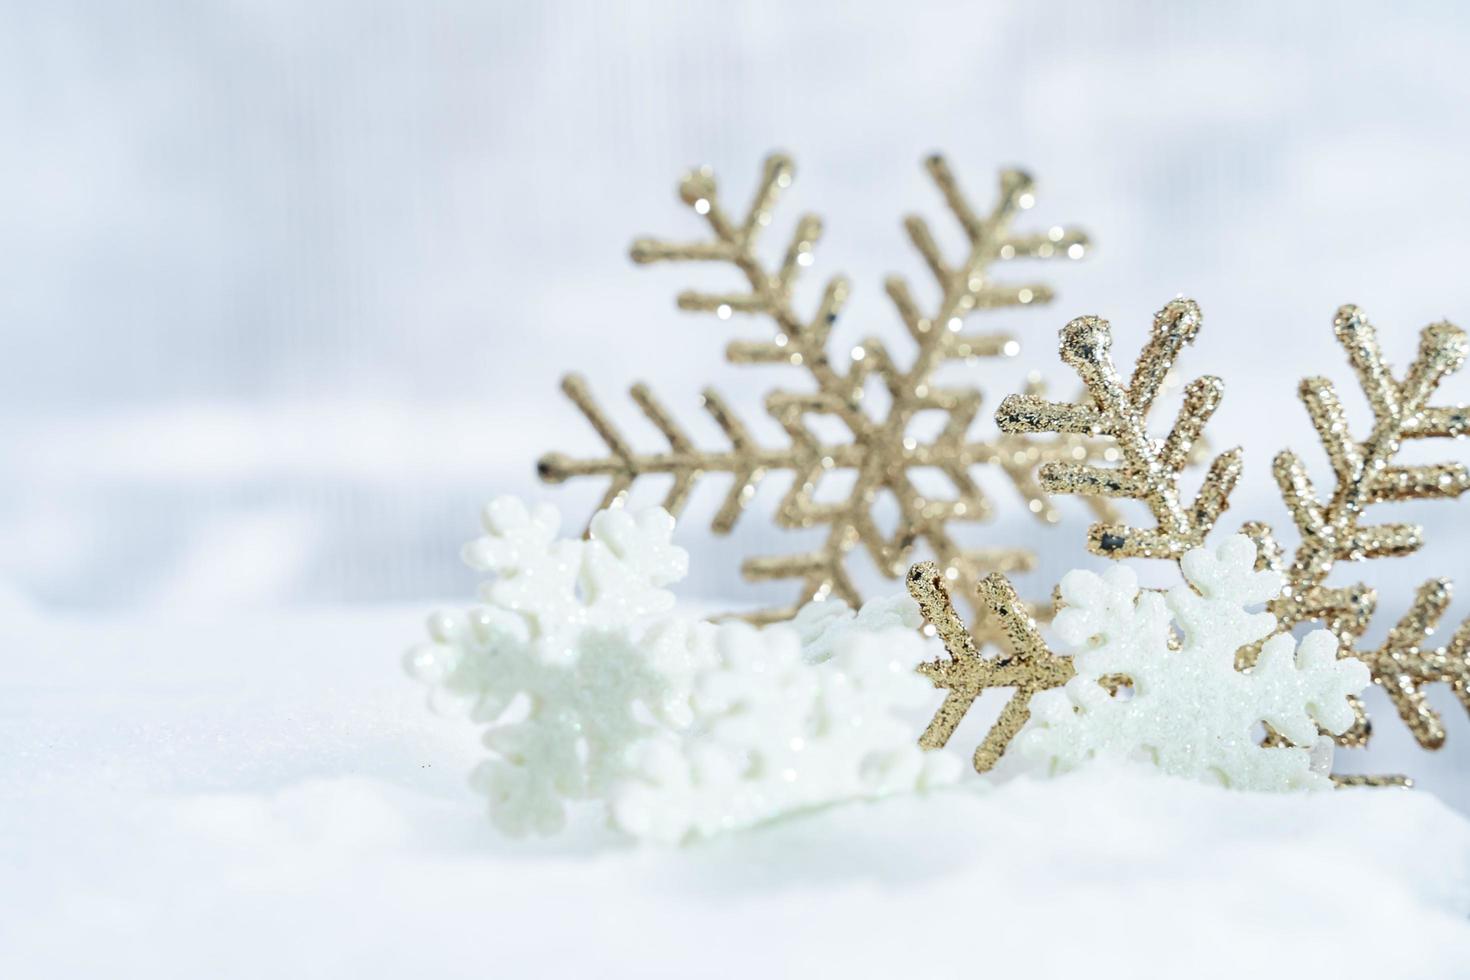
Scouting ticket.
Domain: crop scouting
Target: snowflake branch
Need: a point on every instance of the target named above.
(745, 459)
(1149, 470)
(1403, 664)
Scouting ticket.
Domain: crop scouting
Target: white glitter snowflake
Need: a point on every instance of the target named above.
(1189, 711)
(774, 734)
(583, 674)
(566, 660)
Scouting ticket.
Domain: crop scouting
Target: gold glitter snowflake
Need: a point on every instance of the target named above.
(1027, 666)
(879, 452)
(1333, 530)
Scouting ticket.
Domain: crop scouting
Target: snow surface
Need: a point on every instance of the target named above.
(267, 796)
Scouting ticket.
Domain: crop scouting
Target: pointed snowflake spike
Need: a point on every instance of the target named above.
(1149, 468)
(879, 452)
(1405, 663)
(1332, 524)
(746, 460)
(1192, 712)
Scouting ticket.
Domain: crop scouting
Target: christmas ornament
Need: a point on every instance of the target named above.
(593, 690)
(564, 652)
(1190, 711)
(1332, 530)
(877, 447)
(775, 733)
(1149, 469)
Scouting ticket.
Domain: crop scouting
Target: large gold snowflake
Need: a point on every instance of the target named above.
(880, 452)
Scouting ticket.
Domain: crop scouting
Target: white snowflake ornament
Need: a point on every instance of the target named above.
(593, 689)
(566, 661)
(1189, 711)
(775, 734)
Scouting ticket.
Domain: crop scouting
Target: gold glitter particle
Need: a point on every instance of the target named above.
(1028, 667)
(1332, 530)
(1357, 781)
(1148, 469)
(880, 453)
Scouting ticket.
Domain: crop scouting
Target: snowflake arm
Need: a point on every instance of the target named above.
(746, 460)
(564, 587)
(1028, 666)
(1106, 615)
(1225, 581)
(1304, 686)
(1150, 468)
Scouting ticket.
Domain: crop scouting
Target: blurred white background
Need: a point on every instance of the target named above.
(287, 289)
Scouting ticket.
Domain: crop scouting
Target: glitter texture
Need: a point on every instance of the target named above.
(879, 452)
(1333, 530)
(1028, 666)
(1189, 710)
(596, 694)
(1148, 469)
(776, 733)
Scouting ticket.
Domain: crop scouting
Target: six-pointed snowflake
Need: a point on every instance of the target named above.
(1190, 711)
(880, 450)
